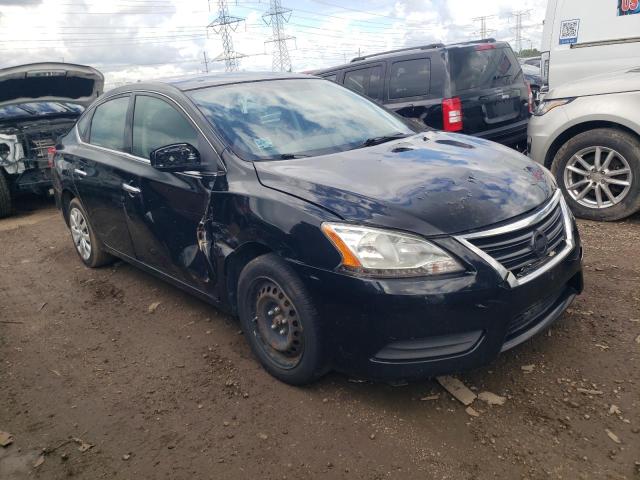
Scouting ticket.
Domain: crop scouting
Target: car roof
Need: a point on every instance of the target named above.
(193, 82)
(407, 51)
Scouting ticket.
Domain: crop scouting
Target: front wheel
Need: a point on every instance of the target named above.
(599, 173)
(280, 322)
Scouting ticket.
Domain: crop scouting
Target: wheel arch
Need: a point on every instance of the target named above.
(574, 130)
(235, 263)
(65, 199)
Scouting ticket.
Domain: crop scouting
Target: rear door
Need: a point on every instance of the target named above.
(101, 169)
(489, 82)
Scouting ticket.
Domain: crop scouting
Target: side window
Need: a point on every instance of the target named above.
(157, 124)
(108, 124)
(332, 78)
(410, 78)
(83, 126)
(367, 81)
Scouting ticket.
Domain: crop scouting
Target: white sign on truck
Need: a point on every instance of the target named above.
(582, 38)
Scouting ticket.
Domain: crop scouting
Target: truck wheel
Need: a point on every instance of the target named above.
(88, 246)
(280, 322)
(5, 196)
(599, 173)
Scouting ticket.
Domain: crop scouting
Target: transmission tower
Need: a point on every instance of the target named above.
(277, 16)
(519, 15)
(484, 33)
(224, 25)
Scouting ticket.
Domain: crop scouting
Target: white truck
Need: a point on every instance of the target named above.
(582, 38)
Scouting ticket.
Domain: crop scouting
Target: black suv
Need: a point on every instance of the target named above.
(474, 87)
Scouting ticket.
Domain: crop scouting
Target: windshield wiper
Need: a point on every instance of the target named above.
(291, 156)
(370, 142)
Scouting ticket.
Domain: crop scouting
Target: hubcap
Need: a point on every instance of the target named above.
(277, 326)
(80, 233)
(598, 177)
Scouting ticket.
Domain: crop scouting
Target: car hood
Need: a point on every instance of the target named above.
(626, 80)
(432, 183)
(50, 82)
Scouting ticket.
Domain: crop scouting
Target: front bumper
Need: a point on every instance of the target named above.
(403, 329)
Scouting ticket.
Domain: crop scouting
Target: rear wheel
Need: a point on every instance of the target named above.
(5, 196)
(599, 173)
(280, 322)
(88, 247)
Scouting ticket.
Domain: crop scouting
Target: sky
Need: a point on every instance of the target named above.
(130, 40)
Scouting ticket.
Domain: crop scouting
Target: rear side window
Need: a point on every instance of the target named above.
(83, 126)
(108, 124)
(482, 66)
(410, 78)
(157, 124)
(367, 81)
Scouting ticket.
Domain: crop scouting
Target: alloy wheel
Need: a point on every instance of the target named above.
(80, 233)
(598, 177)
(277, 326)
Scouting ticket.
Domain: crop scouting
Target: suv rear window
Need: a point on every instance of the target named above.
(482, 66)
(410, 78)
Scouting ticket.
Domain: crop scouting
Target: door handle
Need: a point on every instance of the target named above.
(128, 188)
(82, 173)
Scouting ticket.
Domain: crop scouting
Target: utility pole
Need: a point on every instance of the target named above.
(519, 15)
(205, 61)
(484, 33)
(224, 25)
(277, 16)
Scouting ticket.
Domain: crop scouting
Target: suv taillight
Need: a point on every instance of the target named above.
(452, 114)
(51, 152)
(530, 98)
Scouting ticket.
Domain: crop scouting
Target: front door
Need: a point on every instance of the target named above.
(165, 217)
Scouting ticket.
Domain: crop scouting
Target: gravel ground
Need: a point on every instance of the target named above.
(93, 385)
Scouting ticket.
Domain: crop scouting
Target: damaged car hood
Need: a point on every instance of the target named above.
(432, 183)
(56, 82)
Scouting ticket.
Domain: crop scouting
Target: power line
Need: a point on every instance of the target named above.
(224, 25)
(519, 15)
(484, 32)
(277, 16)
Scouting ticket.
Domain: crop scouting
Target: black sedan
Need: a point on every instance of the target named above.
(339, 236)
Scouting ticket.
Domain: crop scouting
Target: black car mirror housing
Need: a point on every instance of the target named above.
(175, 158)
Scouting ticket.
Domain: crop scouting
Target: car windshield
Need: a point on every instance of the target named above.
(281, 119)
(482, 66)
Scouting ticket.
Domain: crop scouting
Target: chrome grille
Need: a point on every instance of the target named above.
(41, 145)
(515, 250)
(523, 249)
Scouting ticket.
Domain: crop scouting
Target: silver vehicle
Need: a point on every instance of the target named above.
(588, 134)
(38, 103)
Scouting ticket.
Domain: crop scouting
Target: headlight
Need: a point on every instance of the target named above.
(385, 253)
(548, 105)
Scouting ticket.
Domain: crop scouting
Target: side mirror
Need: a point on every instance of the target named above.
(175, 158)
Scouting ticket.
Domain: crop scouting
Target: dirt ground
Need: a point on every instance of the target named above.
(176, 393)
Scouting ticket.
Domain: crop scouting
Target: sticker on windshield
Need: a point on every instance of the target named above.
(263, 143)
(628, 7)
(569, 31)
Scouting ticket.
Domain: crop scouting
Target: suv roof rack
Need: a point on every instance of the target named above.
(421, 47)
(471, 42)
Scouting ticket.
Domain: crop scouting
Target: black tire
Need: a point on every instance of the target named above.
(99, 255)
(5, 196)
(292, 367)
(627, 145)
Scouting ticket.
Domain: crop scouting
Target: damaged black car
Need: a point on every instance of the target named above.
(342, 238)
(39, 102)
